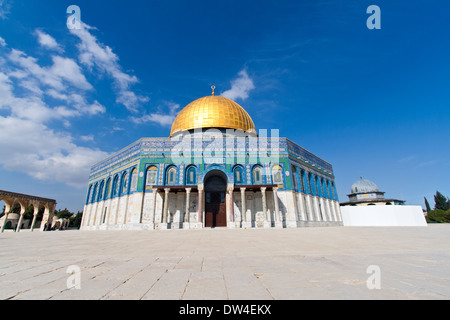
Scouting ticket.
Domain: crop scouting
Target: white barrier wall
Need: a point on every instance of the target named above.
(383, 216)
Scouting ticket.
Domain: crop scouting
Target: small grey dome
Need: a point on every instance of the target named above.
(364, 186)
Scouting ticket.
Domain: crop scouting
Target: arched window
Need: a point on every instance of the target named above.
(152, 176)
(318, 187)
(324, 189)
(107, 189)
(294, 179)
(312, 187)
(100, 191)
(94, 193)
(303, 181)
(134, 180)
(116, 186)
(330, 191)
(238, 175)
(257, 175)
(89, 194)
(277, 174)
(171, 176)
(124, 187)
(191, 176)
(333, 187)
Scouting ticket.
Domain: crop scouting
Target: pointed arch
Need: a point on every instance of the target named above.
(100, 191)
(257, 175)
(151, 176)
(133, 180)
(171, 176)
(238, 175)
(191, 175)
(124, 184)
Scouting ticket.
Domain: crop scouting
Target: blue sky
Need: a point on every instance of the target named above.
(373, 103)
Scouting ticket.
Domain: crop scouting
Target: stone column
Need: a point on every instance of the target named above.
(22, 211)
(278, 222)
(47, 219)
(323, 209)
(166, 206)
(230, 189)
(267, 220)
(243, 209)
(8, 209)
(200, 204)
(125, 211)
(187, 217)
(153, 208)
(302, 206)
(35, 213)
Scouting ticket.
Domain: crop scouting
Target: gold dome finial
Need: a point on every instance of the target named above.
(213, 88)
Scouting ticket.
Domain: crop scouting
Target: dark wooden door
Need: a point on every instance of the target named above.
(215, 210)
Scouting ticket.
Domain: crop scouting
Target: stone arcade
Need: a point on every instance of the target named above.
(213, 171)
(12, 198)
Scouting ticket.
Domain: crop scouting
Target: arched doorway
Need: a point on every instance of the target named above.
(215, 203)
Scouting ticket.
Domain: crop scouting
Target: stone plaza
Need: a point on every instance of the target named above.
(223, 264)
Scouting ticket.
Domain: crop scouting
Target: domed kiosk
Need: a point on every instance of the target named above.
(214, 170)
(366, 193)
(367, 207)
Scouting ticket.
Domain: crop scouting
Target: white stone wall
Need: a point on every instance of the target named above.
(144, 211)
(383, 216)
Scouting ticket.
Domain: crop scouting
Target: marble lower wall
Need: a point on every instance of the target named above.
(141, 211)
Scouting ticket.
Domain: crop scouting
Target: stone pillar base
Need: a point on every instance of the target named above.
(162, 226)
(246, 225)
(195, 225)
(186, 225)
(231, 225)
(278, 224)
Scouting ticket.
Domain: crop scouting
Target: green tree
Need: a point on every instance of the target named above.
(75, 221)
(441, 202)
(427, 205)
(63, 214)
(438, 216)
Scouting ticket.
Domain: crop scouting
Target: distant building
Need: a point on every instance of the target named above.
(366, 193)
(11, 220)
(367, 207)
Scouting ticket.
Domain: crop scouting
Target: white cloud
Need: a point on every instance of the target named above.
(89, 137)
(27, 142)
(4, 8)
(43, 153)
(163, 119)
(63, 70)
(95, 54)
(47, 41)
(240, 87)
(2, 42)
(69, 70)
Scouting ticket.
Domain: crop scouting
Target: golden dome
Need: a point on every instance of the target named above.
(213, 112)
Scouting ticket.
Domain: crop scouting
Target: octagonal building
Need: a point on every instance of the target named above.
(214, 170)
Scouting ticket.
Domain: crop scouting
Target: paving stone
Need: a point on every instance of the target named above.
(219, 264)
